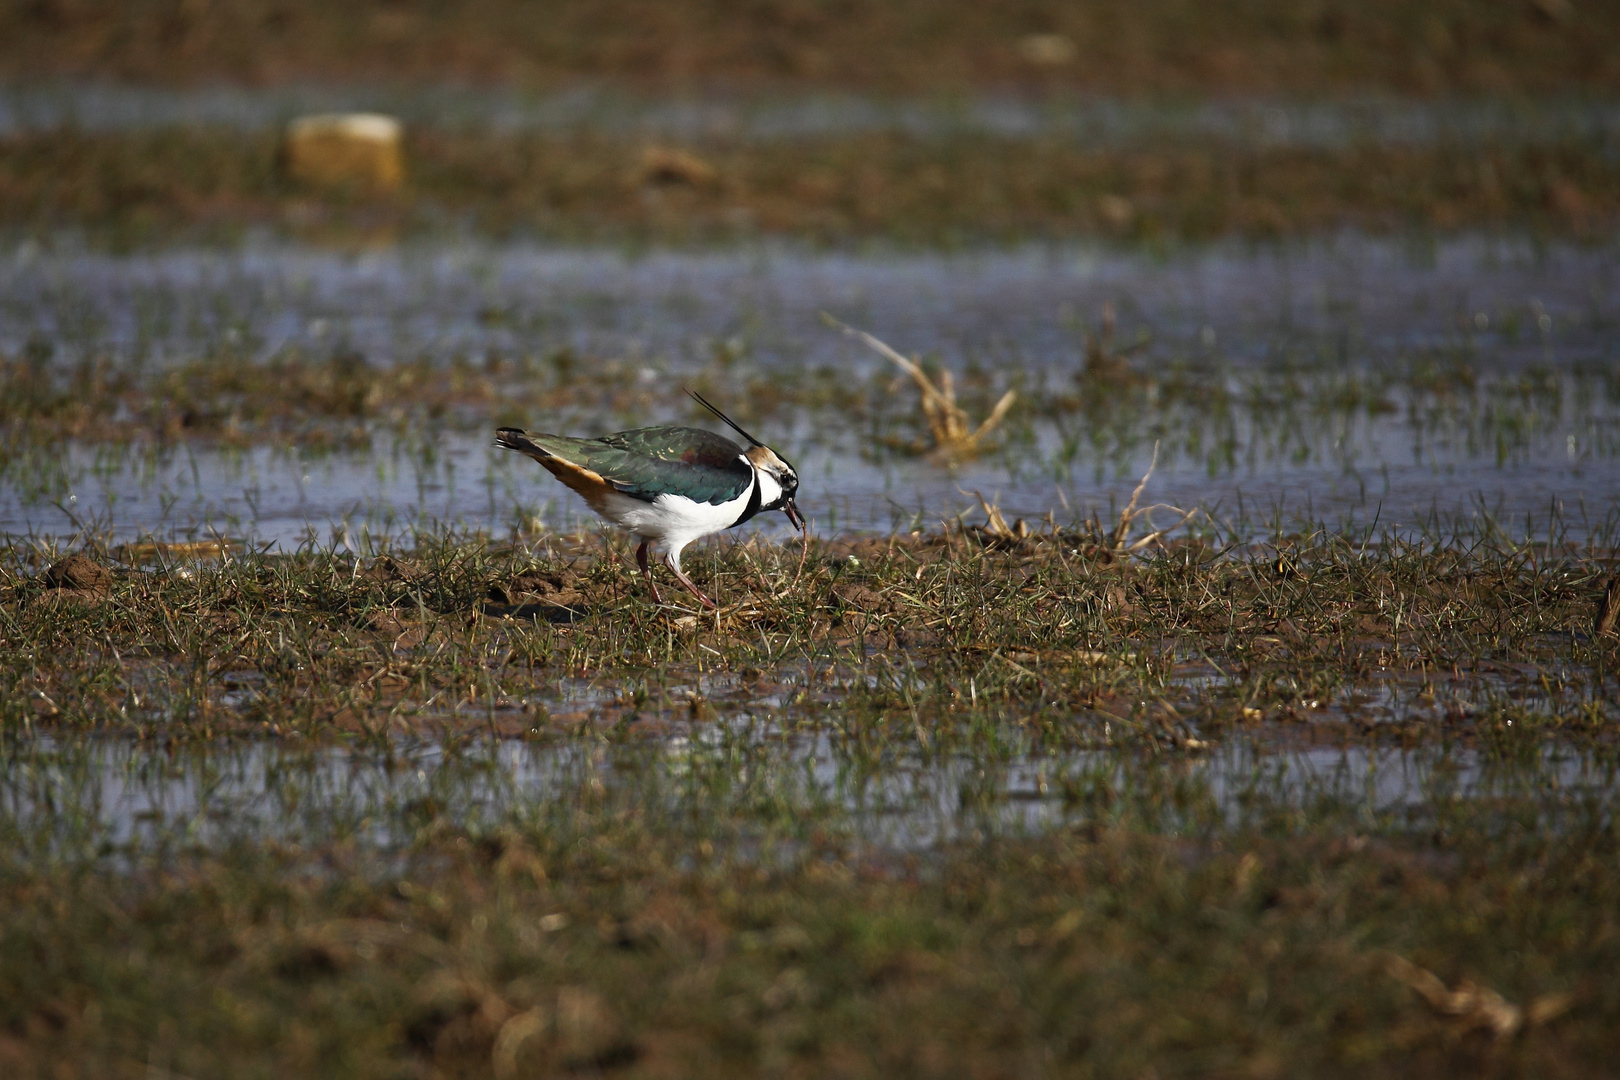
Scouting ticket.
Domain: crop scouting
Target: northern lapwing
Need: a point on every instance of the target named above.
(667, 485)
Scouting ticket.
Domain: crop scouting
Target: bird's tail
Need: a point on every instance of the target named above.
(512, 438)
(588, 482)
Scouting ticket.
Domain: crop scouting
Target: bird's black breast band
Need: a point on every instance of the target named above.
(754, 499)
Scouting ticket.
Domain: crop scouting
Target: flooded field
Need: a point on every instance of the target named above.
(1203, 659)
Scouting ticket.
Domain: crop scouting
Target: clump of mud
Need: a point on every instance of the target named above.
(77, 577)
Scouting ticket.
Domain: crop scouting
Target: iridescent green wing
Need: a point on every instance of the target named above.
(652, 461)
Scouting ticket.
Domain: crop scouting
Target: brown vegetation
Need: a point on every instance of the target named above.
(827, 189)
(1154, 47)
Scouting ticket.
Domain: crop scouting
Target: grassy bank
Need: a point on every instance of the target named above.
(156, 186)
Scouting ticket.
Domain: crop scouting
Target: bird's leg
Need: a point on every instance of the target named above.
(646, 571)
(684, 580)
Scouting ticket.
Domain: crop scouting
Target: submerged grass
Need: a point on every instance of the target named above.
(1056, 416)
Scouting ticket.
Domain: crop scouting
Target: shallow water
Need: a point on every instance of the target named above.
(1309, 313)
(113, 793)
(1345, 301)
(1095, 120)
(358, 501)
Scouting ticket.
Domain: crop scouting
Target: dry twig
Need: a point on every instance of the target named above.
(954, 435)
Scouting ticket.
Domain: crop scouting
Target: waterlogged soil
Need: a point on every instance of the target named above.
(962, 798)
(592, 939)
(969, 637)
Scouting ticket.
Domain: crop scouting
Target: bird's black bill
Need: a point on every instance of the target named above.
(792, 512)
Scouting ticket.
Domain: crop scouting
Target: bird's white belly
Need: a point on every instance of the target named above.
(674, 519)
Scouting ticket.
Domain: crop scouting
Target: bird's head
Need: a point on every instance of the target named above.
(778, 483)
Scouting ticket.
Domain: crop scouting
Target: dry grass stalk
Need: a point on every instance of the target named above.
(954, 435)
(1129, 516)
(1608, 613)
(1477, 1006)
(147, 550)
(1119, 544)
(996, 525)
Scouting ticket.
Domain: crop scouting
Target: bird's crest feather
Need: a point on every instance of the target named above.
(701, 400)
